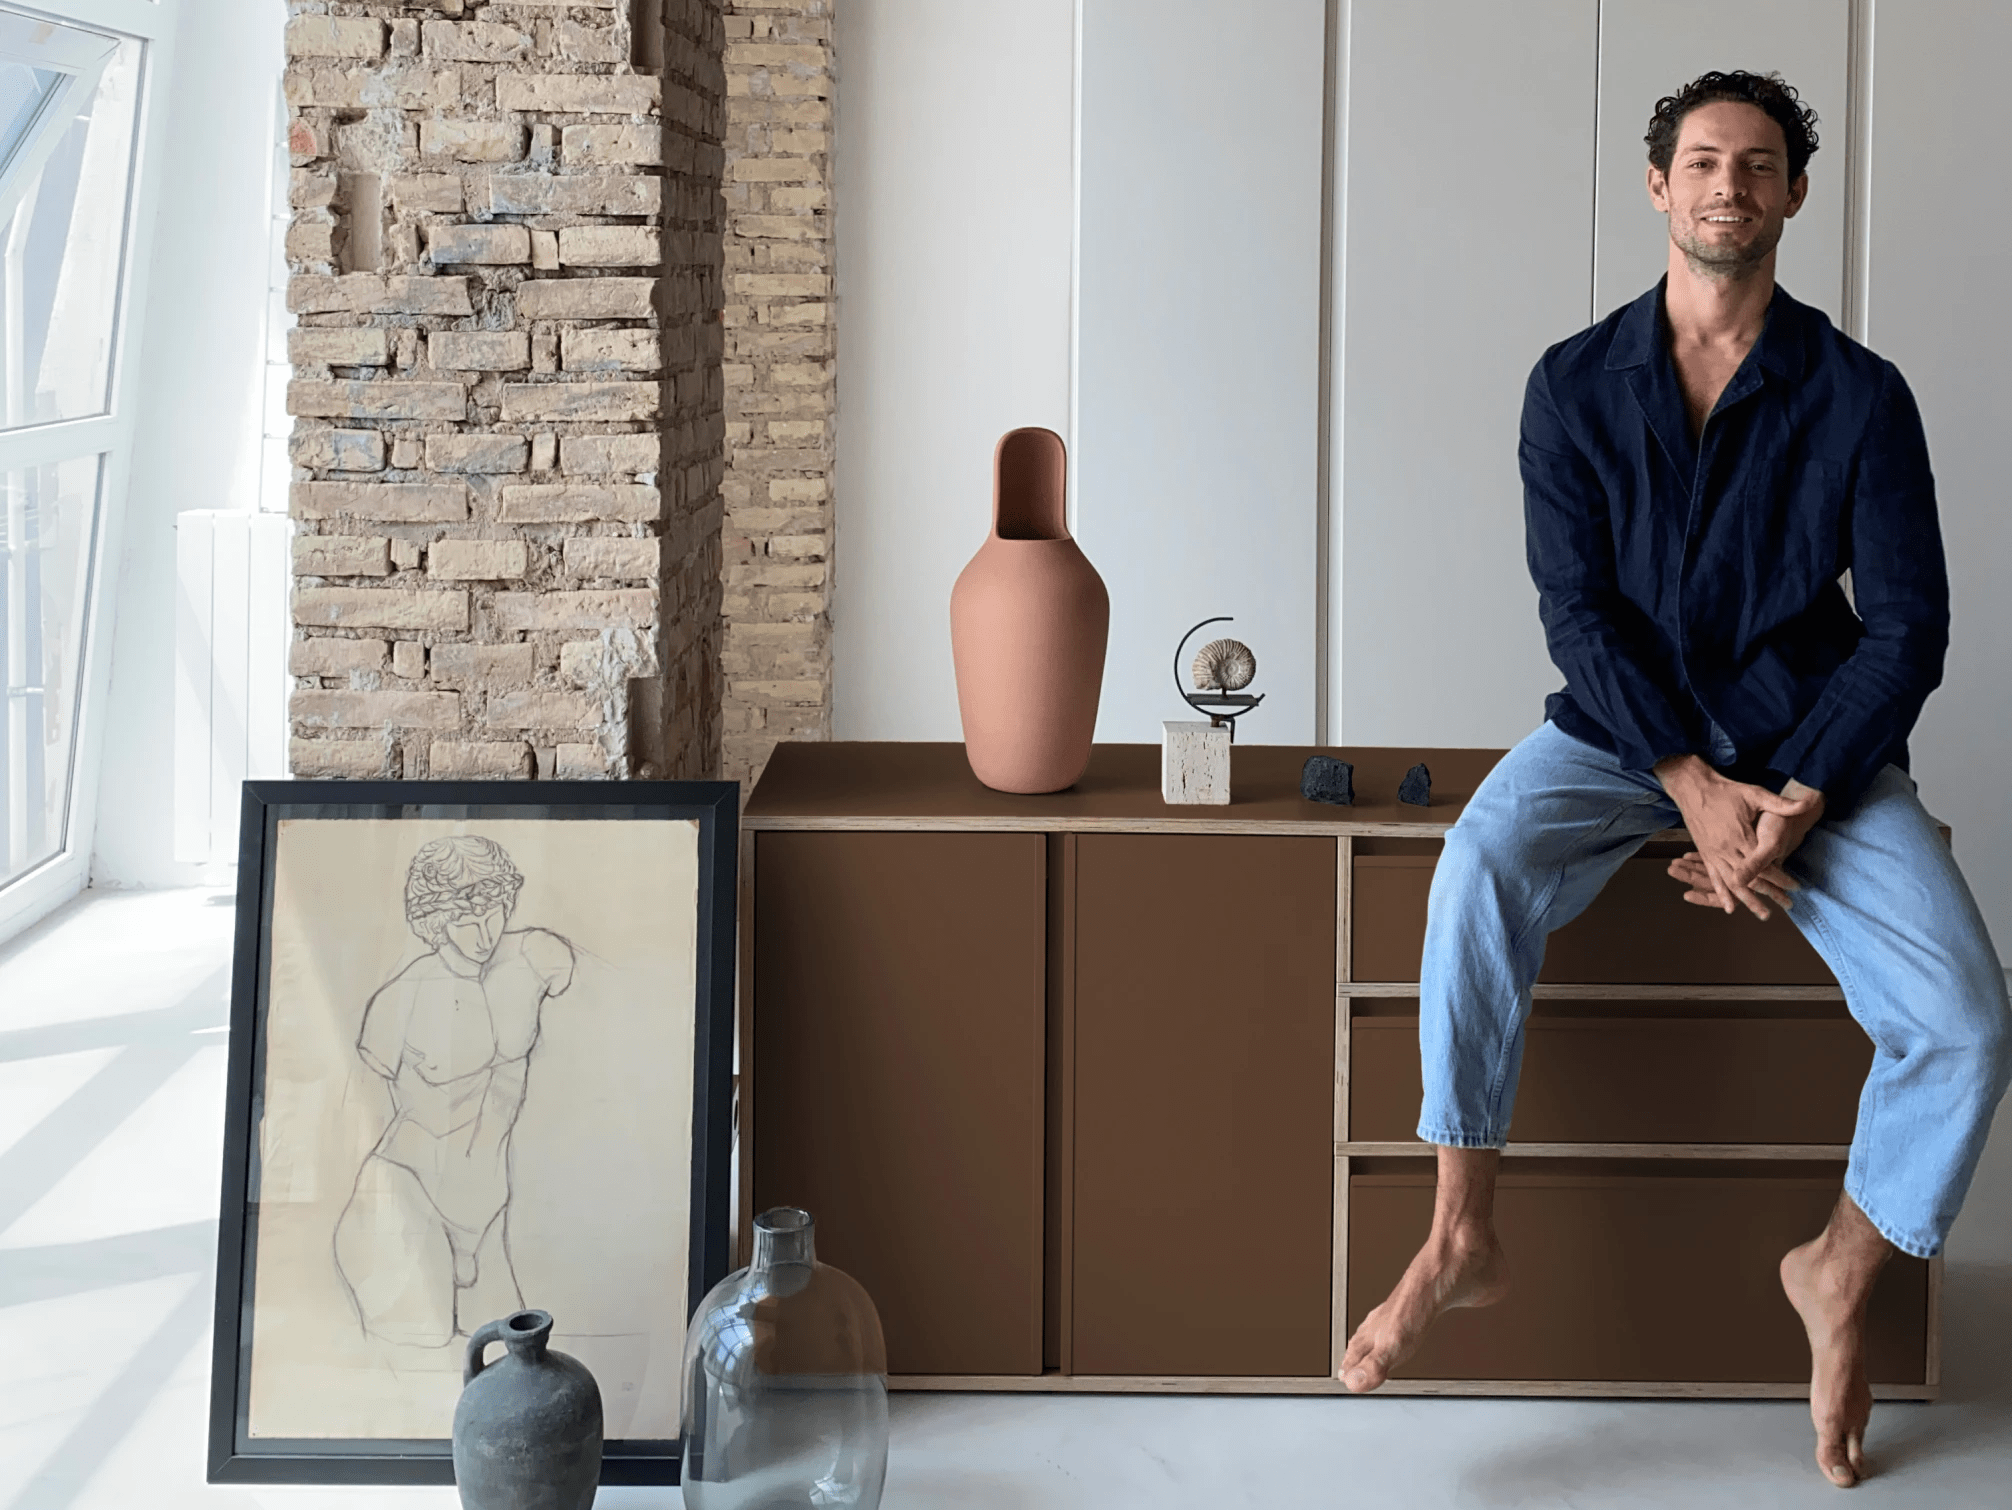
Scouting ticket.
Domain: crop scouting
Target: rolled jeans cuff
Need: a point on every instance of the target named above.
(1447, 1137)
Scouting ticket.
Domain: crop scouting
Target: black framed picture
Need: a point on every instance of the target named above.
(480, 1059)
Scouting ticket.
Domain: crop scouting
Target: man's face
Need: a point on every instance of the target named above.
(476, 937)
(1728, 192)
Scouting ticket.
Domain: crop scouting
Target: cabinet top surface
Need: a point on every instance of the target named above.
(919, 785)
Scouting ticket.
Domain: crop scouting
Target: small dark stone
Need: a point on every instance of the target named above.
(1417, 787)
(1325, 779)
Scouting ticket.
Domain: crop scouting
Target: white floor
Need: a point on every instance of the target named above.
(112, 1032)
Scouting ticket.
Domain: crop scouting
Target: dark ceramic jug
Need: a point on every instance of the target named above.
(527, 1429)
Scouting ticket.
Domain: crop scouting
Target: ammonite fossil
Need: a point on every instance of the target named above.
(1224, 666)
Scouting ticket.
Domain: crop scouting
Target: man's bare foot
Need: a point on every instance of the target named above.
(1458, 1269)
(1828, 1280)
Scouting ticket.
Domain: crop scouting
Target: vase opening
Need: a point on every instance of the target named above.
(784, 1235)
(1030, 493)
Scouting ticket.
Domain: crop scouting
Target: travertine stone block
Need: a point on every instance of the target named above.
(317, 709)
(590, 298)
(1194, 763)
(580, 762)
(349, 759)
(598, 146)
(370, 294)
(474, 42)
(618, 608)
(580, 401)
(579, 94)
(605, 455)
(486, 666)
(479, 350)
(333, 450)
(573, 194)
(533, 709)
(308, 346)
(609, 246)
(477, 453)
(404, 554)
(599, 349)
(308, 398)
(576, 502)
(408, 660)
(501, 245)
(334, 37)
(472, 142)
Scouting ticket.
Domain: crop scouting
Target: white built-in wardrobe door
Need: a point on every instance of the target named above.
(1467, 173)
(1651, 48)
(1198, 360)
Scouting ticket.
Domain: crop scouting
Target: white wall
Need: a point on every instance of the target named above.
(196, 443)
(952, 201)
(1941, 310)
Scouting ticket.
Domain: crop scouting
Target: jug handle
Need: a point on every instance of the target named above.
(488, 1332)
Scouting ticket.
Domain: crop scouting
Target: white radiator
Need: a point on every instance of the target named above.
(232, 628)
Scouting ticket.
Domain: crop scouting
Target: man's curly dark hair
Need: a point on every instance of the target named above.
(1766, 91)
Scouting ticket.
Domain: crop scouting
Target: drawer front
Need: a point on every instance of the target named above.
(1638, 931)
(1631, 1277)
(899, 1041)
(1637, 1077)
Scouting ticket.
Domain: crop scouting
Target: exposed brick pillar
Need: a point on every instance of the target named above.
(505, 264)
(780, 332)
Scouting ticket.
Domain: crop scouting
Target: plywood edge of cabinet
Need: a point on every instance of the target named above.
(1401, 989)
(1594, 1389)
(1337, 1312)
(1931, 1376)
(1779, 1152)
(1315, 828)
(744, 1055)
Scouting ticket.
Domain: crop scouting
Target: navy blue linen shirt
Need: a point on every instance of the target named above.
(1685, 584)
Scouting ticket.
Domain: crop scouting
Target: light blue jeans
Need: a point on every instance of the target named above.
(1882, 902)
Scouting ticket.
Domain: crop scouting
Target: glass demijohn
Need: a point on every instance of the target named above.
(785, 1400)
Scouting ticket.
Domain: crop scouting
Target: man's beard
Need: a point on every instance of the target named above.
(1715, 260)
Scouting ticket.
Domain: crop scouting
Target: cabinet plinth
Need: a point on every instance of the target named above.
(1094, 1093)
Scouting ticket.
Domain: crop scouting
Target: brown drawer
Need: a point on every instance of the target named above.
(1639, 931)
(1641, 1072)
(1627, 1272)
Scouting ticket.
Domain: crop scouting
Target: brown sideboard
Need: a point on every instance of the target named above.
(1094, 1093)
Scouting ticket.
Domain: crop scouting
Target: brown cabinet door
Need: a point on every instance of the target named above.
(1638, 931)
(1640, 1072)
(899, 1033)
(1200, 1038)
(1631, 1275)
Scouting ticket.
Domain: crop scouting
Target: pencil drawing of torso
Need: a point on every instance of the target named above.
(423, 1247)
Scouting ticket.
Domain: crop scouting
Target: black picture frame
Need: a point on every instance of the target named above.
(235, 1456)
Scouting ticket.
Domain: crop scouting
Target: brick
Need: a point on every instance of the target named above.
(406, 451)
(376, 710)
(576, 503)
(404, 554)
(311, 398)
(780, 285)
(379, 608)
(602, 556)
(334, 37)
(336, 450)
(500, 245)
(324, 656)
(782, 227)
(477, 560)
(437, 192)
(585, 298)
(369, 294)
(573, 194)
(599, 146)
(545, 251)
(775, 170)
(578, 94)
(396, 86)
(408, 660)
(483, 665)
(584, 663)
(579, 762)
(580, 401)
(544, 448)
(355, 759)
(593, 349)
(602, 455)
(775, 55)
(479, 350)
(610, 246)
(472, 141)
(310, 191)
(798, 489)
(492, 759)
(399, 502)
(533, 709)
(476, 453)
(474, 42)
(310, 241)
(588, 44)
(341, 556)
(618, 608)
(308, 345)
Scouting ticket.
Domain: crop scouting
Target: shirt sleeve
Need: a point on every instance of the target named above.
(1595, 634)
(1900, 589)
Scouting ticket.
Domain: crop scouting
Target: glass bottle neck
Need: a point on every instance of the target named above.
(784, 1236)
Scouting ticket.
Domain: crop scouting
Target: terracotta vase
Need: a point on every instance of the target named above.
(1028, 620)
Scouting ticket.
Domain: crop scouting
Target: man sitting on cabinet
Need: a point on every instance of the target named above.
(1700, 469)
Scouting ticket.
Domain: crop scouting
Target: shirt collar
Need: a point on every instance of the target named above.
(1782, 348)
